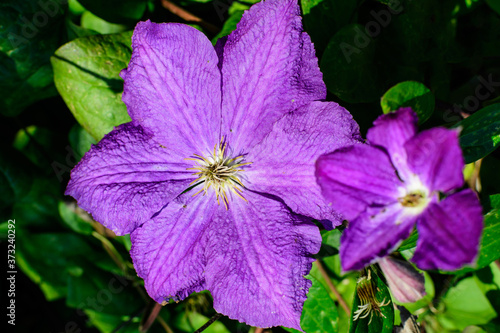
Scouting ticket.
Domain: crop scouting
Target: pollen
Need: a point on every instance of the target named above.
(411, 199)
(220, 172)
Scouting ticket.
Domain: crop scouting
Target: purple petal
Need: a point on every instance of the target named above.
(283, 163)
(169, 250)
(269, 68)
(126, 178)
(355, 177)
(435, 156)
(172, 86)
(406, 284)
(449, 232)
(257, 256)
(373, 235)
(391, 131)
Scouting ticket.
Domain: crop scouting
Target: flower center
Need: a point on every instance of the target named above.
(413, 199)
(219, 172)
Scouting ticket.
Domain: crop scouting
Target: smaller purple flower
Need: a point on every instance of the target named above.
(396, 182)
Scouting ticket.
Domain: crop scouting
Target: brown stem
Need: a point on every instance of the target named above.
(164, 325)
(187, 16)
(332, 288)
(153, 314)
(259, 330)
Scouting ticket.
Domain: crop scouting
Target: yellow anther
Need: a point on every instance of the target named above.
(219, 172)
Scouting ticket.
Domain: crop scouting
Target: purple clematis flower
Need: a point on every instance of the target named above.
(385, 188)
(214, 176)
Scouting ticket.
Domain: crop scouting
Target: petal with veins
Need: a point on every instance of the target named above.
(172, 86)
(269, 68)
(126, 178)
(257, 256)
(449, 232)
(284, 162)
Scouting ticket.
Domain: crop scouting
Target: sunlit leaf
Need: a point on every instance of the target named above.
(86, 74)
(409, 93)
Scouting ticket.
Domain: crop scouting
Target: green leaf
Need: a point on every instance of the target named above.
(191, 321)
(75, 7)
(409, 93)
(347, 65)
(93, 22)
(490, 242)
(488, 280)
(235, 12)
(330, 243)
(331, 238)
(94, 289)
(117, 11)
(35, 143)
(75, 31)
(464, 305)
(38, 208)
(495, 5)
(86, 74)
(489, 249)
(322, 18)
(80, 141)
(319, 313)
(410, 242)
(31, 31)
(125, 241)
(375, 322)
(108, 322)
(49, 257)
(480, 133)
(229, 25)
(68, 212)
(15, 180)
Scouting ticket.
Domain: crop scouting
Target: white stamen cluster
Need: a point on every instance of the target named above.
(367, 299)
(219, 172)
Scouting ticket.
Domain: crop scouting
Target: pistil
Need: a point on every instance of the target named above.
(220, 172)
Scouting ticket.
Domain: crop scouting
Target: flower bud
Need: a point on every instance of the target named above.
(405, 283)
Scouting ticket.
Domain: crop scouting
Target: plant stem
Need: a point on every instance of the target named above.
(208, 323)
(332, 288)
(187, 16)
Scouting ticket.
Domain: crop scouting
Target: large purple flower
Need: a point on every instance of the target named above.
(214, 176)
(385, 188)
